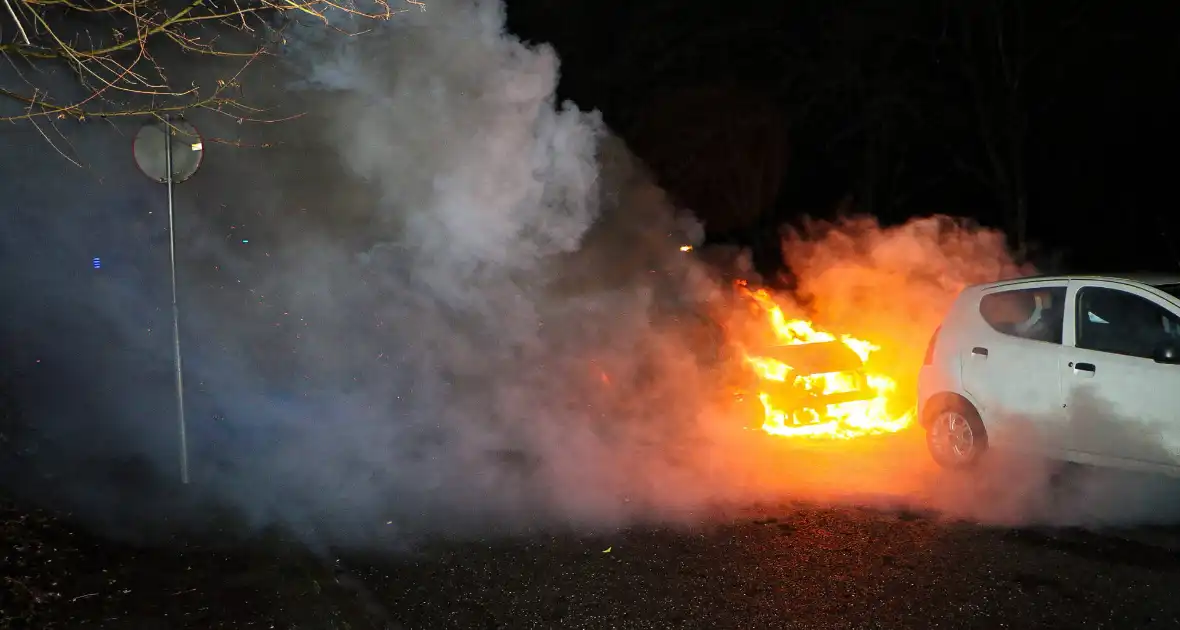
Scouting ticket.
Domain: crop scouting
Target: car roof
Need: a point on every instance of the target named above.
(1148, 278)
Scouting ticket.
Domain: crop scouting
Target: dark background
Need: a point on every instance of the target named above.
(1056, 115)
(1049, 119)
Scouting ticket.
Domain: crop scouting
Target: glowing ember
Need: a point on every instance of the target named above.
(811, 386)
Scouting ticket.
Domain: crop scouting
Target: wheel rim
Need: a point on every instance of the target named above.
(953, 437)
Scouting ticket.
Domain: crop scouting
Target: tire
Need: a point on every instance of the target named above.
(955, 436)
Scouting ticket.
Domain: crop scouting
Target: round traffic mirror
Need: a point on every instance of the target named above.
(151, 149)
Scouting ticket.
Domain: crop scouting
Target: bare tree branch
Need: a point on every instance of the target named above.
(112, 48)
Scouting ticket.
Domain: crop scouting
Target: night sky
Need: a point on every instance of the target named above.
(892, 107)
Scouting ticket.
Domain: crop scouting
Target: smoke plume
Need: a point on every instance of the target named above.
(441, 302)
(892, 283)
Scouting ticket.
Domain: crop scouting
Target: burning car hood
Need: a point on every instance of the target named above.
(820, 357)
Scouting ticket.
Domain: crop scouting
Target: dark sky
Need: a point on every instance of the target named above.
(894, 106)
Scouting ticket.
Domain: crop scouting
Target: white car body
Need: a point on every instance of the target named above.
(1106, 392)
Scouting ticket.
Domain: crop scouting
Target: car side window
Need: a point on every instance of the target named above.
(1037, 314)
(1110, 320)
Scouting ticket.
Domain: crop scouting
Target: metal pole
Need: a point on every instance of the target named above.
(175, 310)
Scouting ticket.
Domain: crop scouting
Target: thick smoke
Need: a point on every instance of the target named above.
(444, 303)
(440, 303)
(892, 283)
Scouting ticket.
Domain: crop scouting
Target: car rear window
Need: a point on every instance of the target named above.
(1037, 314)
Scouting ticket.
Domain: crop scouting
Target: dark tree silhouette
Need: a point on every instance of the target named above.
(1003, 51)
(720, 149)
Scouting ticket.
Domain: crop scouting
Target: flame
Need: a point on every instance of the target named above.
(867, 414)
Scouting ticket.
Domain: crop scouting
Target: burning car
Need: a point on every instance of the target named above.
(801, 381)
(811, 383)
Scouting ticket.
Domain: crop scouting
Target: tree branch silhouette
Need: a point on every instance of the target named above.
(113, 49)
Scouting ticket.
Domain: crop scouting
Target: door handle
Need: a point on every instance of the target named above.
(1083, 369)
(979, 352)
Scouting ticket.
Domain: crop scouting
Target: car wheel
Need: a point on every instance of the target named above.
(956, 437)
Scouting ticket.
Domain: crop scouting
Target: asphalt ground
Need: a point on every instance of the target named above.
(910, 558)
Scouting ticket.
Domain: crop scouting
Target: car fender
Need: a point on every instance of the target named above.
(943, 399)
(941, 383)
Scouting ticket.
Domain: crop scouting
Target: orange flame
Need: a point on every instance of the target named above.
(866, 412)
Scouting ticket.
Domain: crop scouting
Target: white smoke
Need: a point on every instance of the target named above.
(472, 312)
(462, 307)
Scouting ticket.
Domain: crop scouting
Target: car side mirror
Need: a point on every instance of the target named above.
(1167, 352)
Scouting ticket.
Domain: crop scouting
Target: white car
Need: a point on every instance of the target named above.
(1082, 369)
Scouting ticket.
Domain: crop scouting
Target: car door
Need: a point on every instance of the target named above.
(1121, 403)
(1010, 359)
